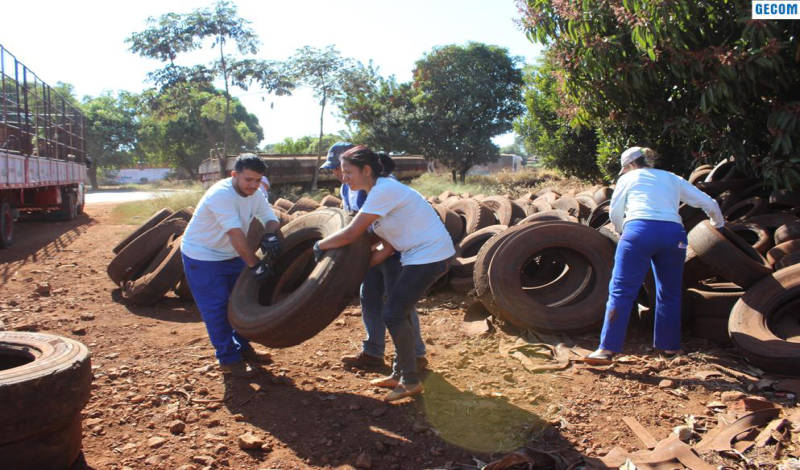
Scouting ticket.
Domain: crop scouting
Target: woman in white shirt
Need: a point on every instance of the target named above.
(644, 209)
(405, 222)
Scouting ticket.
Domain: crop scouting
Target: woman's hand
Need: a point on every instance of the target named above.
(379, 256)
(360, 223)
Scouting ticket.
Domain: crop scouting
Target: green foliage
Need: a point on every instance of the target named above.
(516, 148)
(700, 81)
(304, 145)
(172, 34)
(548, 134)
(111, 128)
(465, 96)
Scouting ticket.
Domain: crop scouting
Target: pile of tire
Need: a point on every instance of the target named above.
(742, 281)
(472, 220)
(45, 382)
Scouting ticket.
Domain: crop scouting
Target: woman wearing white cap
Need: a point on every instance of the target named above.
(644, 209)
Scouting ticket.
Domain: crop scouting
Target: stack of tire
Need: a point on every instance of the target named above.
(743, 280)
(45, 382)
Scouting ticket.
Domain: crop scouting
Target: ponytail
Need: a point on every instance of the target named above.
(362, 156)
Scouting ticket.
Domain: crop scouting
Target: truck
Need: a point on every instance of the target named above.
(299, 169)
(43, 158)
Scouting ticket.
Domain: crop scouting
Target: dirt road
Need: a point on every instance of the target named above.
(159, 401)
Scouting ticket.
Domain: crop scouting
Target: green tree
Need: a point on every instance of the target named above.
(112, 128)
(172, 34)
(548, 134)
(465, 95)
(517, 147)
(181, 127)
(377, 110)
(304, 145)
(701, 81)
(324, 71)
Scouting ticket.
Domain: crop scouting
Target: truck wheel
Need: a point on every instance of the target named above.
(6, 226)
(68, 209)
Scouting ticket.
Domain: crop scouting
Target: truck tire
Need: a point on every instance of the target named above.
(330, 201)
(788, 232)
(518, 211)
(778, 252)
(303, 297)
(162, 275)
(475, 215)
(789, 260)
(138, 254)
(154, 220)
(755, 235)
(551, 215)
(572, 206)
(763, 323)
(746, 209)
(501, 207)
(783, 197)
(461, 285)
(712, 329)
(284, 204)
(68, 209)
(699, 175)
(713, 300)
(303, 204)
(45, 381)
(467, 250)
(182, 290)
(728, 255)
(183, 214)
(603, 194)
(6, 225)
(452, 222)
(600, 215)
(58, 448)
(573, 309)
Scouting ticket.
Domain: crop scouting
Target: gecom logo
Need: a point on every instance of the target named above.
(772, 10)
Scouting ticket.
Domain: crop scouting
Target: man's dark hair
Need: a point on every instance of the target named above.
(249, 161)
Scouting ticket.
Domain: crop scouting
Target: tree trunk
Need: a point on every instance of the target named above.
(227, 109)
(455, 180)
(93, 176)
(462, 175)
(319, 144)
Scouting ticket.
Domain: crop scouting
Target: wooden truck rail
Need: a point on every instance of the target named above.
(299, 169)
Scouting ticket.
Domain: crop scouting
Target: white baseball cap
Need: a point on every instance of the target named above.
(629, 156)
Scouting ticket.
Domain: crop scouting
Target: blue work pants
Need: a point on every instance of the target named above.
(645, 243)
(211, 283)
(411, 285)
(380, 280)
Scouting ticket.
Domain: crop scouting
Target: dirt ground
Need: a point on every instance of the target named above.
(159, 400)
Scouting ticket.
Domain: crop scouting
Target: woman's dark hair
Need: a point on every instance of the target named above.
(249, 161)
(361, 156)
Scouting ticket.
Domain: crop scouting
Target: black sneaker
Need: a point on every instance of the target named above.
(240, 370)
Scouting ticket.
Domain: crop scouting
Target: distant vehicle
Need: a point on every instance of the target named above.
(42, 149)
(299, 169)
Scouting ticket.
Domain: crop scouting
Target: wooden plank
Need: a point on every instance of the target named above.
(647, 439)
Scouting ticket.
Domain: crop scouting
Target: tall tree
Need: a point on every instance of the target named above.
(465, 96)
(701, 81)
(304, 145)
(172, 34)
(111, 131)
(324, 71)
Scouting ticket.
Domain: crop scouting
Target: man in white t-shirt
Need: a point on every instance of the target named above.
(264, 187)
(215, 251)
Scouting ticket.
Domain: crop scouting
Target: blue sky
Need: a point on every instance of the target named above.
(82, 42)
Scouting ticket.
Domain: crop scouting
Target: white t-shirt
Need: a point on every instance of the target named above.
(221, 209)
(651, 194)
(262, 188)
(408, 223)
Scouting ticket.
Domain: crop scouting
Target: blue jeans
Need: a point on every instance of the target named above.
(411, 285)
(645, 242)
(379, 280)
(211, 283)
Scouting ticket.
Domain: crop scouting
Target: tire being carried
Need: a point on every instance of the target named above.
(45, 382)
(303, 297)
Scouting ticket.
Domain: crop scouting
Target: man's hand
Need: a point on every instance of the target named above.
(318, 253)
(261, 272)
(271, 246)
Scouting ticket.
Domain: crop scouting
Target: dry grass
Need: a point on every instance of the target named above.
(135, 213)
(514, 184)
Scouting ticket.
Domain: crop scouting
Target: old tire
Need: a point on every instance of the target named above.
(600, 215)
(746, 209)
(474, 214)
(788, 232)
(728, 255)
(575, 310)
(303, 297)
(284, 204)
(713, 300)
(58, 448)
(154, 220)
(777, 253)
(303, 204)
(461, 285)
(162, 275)
(6, 225)
(551, 215)
(45, 382)
(452, 222)
(467, 250)
(182, 290)
(764, 323)
(755, 235)
(330, 201)
(138, 254)
(603, 194)
(501, 207)
(712, 329)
